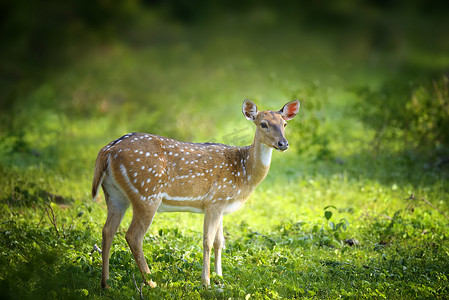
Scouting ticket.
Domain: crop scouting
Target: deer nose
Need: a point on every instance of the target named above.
(283, 144)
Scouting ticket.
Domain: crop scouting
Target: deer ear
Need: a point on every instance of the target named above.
(249, 110)
(290, 110)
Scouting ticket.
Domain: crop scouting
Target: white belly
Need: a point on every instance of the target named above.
(174, 208)
(232, 207)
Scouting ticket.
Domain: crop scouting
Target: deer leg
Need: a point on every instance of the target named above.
(142, 217)
(211, 223)
(115, 216)
(218, 245)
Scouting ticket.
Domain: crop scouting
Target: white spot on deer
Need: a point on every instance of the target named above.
(125, 175)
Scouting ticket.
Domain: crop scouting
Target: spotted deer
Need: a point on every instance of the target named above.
(159, 174)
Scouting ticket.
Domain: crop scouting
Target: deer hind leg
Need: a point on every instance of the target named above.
(218, 245)
(116, 211)
(143, 215)
(211, 223)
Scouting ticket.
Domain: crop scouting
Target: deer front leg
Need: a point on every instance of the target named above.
(212, 219)
(218, 245)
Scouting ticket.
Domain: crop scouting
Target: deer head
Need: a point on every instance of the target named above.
(271, 124)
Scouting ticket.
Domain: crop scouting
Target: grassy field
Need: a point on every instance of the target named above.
(337, 217)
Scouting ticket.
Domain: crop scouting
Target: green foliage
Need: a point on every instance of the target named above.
(416, 113)
(311, 134)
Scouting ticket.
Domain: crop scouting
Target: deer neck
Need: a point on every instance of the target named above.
(258, 162)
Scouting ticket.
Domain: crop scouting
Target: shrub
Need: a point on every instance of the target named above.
(417, 113)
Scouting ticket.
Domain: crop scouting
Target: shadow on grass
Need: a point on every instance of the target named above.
(37, 263)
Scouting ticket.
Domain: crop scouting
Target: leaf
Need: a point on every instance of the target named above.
(330, 206)
(328, 214)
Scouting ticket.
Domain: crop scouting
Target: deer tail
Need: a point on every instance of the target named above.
(101, 164)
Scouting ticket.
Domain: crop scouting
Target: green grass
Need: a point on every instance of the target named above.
(289, 239)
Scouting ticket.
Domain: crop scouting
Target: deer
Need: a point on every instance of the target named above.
(158, 174)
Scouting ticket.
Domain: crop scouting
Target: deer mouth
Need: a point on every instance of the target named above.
(283, 149)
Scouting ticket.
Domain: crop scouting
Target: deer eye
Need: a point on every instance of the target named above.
(264, 125)
(285, 124)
